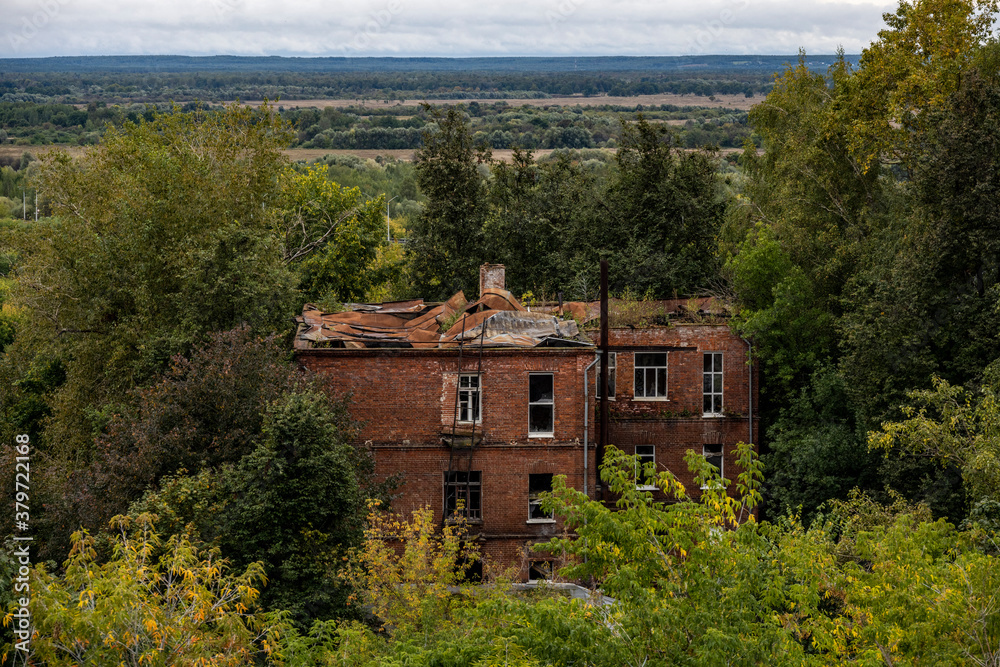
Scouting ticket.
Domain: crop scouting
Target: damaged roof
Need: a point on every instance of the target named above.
(496, 319)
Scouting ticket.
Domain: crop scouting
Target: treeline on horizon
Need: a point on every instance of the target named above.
(117, 87)
(168, 63)
(497, 125)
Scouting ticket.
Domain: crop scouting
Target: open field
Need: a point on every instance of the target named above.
(10, 150)
(405, 155)
(720, 101)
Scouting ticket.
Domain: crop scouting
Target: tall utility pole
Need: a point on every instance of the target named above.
(388, 235)
(603, 443)
(36, 205)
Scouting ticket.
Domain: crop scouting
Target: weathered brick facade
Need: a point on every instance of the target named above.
(406, 399)
(679, 423)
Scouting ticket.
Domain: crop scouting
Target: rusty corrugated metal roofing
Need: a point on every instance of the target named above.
(496, 319)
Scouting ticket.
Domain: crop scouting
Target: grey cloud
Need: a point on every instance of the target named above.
(423, 27)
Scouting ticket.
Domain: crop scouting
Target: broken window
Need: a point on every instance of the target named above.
(463, 494)
(541, 404)
(612, 365)
(538, 484)
(539, 570)
(469, 398)
(650, 375)
(712, 387)
(713, 454)
(470, 572)
(644, 454)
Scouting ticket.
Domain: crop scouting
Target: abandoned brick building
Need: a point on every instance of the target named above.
(482, 415)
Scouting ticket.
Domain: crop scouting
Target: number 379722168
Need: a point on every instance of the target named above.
(22, 478)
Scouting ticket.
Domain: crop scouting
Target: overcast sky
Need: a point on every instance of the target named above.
(31, 28)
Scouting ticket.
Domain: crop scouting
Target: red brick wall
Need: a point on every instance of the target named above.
(688, 344)
(505, 470)
(406, 399)
(409, 395)
(675, 424)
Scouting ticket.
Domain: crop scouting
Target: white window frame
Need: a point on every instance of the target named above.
(464, 489)
(551, 403)
(711, 385)
(712, 454)
(648, 455)
(644, 369)
(465, 393)
(534, 504)
(612, 375)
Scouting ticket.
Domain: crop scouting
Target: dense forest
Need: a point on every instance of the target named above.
(359, 127)
(144, 355)
(176, 78)
(221, 86)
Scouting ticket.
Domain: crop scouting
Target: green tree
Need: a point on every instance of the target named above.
(299, 502)
(682, 583)
(331, 235)
(164, 233)
(951, 425)
(662, 212)
(539, 215)
(155, 602)
(294, 503)
(862, 242)
(813, 453)
(446, 242)
(412, 591)
(206, 410)
(917, 62)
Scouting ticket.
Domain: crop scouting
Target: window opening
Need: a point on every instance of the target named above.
(713, 454)
(644, 454)
(539, 570)
(474, 571)
(469, 398)
(712, 387)
(538, 484)
(541, 404)
(465, 489)
(650, 375)
(452, 480)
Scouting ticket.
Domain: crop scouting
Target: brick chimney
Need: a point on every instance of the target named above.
(491, 276)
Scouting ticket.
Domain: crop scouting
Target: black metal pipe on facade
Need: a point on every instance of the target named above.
(603, 443)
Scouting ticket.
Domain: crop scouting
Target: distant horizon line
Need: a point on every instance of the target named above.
(492, 65)
(425, 57)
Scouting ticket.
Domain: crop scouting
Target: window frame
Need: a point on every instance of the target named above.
(655, 369)
(534, 503)
(612, 375)
(477, 391)
(551, 403)
(471, 487)
(716, 391)
(640, 461)
(720, 454)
